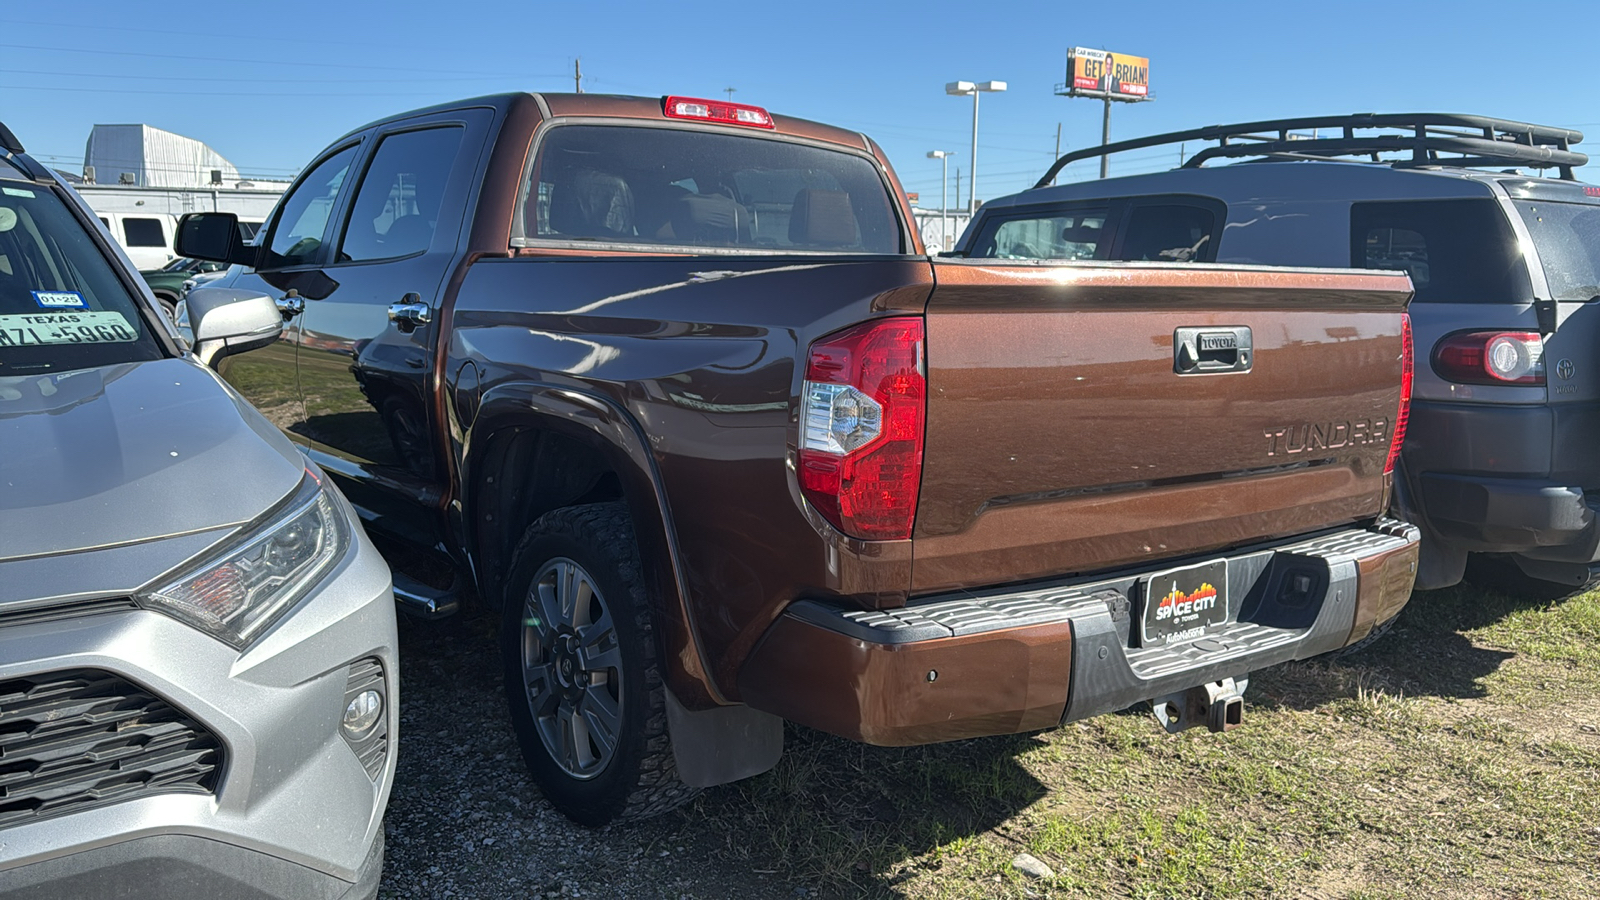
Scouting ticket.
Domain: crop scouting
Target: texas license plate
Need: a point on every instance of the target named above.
(1183, 604)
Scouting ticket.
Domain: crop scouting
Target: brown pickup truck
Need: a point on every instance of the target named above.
(672, 384)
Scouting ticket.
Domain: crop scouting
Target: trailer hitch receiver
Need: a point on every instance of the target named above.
(1218, 705)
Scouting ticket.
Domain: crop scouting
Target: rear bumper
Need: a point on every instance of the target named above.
(1004, 662)
(1509, 515)
(1493, 478)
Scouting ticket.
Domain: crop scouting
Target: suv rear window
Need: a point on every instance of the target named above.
(1567, 236)
(1057, 234)
(1456, 251)
(619, 184)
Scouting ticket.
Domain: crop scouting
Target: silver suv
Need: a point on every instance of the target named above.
(1500, 456)
(197, 641)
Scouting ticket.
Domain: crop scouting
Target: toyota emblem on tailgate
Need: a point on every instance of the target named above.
(1565, 369)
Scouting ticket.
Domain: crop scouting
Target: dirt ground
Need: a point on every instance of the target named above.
(1458, 757)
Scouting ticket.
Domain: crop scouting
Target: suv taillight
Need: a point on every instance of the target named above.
(1403, 416)
(863, 406)
(1491, 357)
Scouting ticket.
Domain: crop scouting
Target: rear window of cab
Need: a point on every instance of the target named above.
(653, 186)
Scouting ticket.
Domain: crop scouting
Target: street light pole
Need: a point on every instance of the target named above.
(961, 89)
(944, 198)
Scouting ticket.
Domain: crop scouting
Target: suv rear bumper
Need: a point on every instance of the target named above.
(1501, 478)
(1012, 661)
(1509, 515)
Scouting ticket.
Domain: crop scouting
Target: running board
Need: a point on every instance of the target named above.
(421, 601)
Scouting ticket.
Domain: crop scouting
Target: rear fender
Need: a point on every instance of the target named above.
(598, 425)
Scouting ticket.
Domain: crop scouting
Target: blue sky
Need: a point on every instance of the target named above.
(271, 87)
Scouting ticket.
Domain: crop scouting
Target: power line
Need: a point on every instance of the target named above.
(257, 81)
(260, 62)
(185, 93)
(166, 32)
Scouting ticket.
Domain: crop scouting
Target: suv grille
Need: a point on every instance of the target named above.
(71, 741)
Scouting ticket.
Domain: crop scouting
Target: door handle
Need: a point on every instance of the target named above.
(1199, 351)
(410, 313)
(290, 304)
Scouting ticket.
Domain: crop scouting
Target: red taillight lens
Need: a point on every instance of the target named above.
(1403, 417)
(863, 406)
(1491, 357)
(716, 111)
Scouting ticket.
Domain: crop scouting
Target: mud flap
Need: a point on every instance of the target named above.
(723, 744)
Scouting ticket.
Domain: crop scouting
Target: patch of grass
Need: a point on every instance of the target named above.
(1457, 757)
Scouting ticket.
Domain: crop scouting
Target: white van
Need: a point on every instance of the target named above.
(145, 236)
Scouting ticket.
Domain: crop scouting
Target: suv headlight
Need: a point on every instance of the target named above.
(235, 596)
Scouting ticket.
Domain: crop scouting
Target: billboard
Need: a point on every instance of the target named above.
(1097, 72)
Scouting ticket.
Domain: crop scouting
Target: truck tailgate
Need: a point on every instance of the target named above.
(1062, 437)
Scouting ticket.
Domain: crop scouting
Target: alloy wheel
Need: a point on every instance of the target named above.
(572, 668)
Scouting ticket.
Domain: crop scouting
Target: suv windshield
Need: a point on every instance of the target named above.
(1567, 236)
(669, 186)
(61, 304)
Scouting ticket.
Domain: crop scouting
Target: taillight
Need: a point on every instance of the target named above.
(1403, 416)
(1491, 357)
(863, 406)
(716, 111)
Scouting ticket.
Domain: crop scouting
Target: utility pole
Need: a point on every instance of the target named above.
(1105, 129)
(1058, 147)
(958, 190)
(729, 91)
(943, 156)
(577, 73)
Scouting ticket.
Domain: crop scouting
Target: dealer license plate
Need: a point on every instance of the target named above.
(1183, 604)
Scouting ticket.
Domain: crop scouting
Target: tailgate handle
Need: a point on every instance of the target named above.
(1210, 350)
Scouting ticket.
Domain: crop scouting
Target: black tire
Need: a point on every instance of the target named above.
(169, 305)
(639, 777)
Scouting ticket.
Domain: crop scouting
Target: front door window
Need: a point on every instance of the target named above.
(303, 217)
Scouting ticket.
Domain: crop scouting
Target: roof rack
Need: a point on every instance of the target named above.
(1481, 141)
(8, 141)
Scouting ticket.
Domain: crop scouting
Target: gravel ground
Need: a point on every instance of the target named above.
(465, 821)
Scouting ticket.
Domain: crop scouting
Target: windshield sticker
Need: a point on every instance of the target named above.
(17, 192)
(8, 218)
(44, 329)
(60, 300)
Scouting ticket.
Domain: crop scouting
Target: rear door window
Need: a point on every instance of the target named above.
(655, 186)
(143, 233)
(1456, 251)
(1053, 234)
(1567, 236)
(1169, 232)
(397, 206)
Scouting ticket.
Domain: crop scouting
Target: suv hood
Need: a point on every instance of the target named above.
(125, 454)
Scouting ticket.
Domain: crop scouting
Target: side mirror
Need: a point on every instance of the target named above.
(213, 236)
(227, 321)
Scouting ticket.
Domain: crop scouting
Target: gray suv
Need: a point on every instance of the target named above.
(197, 641)
(1500, 458)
